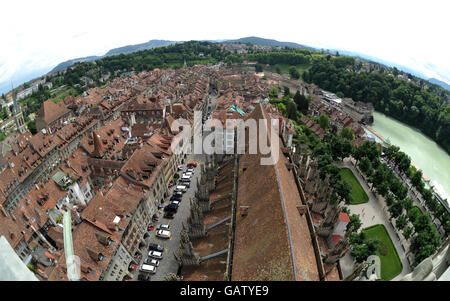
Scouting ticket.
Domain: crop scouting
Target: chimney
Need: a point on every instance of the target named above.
(244, 210)
(96, 256)
(301, 209)
(102, 238)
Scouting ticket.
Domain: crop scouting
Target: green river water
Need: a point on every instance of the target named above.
(424, 152)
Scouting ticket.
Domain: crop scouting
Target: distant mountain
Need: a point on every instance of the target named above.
(138, 47)
(440, 83)
(121, 50)
(69, 63)
(268, 42)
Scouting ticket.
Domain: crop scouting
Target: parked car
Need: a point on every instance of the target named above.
(171, 207)
(162, 227)
(151, 261)
(176, 197)
(185, 177)
(144, 277)
(185, 183)
(175, 202)
(181, 188)
(163, 234)
(169, 214)
(190, 170)
(148, 268)
(192, 164)
(155, 254)
(155, 247)
(187, 174)
(178, 193)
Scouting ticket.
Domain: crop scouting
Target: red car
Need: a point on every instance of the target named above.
(192, 164)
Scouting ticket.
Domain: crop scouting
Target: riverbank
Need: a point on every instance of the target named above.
(425, 154)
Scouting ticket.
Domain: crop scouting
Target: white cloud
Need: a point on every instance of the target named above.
(37, 34)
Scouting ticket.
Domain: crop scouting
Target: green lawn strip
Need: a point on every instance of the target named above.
(285, 68)
(391, 264)
(357, 194)
(59, 96)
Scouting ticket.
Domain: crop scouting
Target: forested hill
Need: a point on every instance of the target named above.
(440, 83)
(120, 50)
(425, 109)
(143, 46)
(268, 42)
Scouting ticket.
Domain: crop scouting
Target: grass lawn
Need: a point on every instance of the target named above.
(285, 68)
(357, 194)
(59, 96)
(391, 264)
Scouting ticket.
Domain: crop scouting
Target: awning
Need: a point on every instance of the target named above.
(49, 255)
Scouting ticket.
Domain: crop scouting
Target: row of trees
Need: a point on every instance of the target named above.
(289, 57)
(399, 158)
(425, 239)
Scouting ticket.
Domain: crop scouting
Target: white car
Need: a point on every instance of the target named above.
(148, 268)
(152, 262)
(162, 227)
(155, 254)
(163, 234)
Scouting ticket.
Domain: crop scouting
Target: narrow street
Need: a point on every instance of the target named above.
(169, 264)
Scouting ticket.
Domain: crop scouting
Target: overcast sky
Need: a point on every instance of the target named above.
(37, 35)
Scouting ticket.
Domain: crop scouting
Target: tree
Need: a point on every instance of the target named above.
(324, 121)
(368, 149)
(422, 223)
(286, 91)
(408, 232)
(416, 180)
(355, 223)
(395, 209)
(361, 251)
(291, 110)
(407, 203)
(365, 166)
(293, 72)
(391, 151)
(347, 133)
(281, 107)
(401, 222)
(342, 189)
(302, 102)
(258, 68)
(32, 127)
(383, 188)
(273, 93)
(389, 199)
(278, 69)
